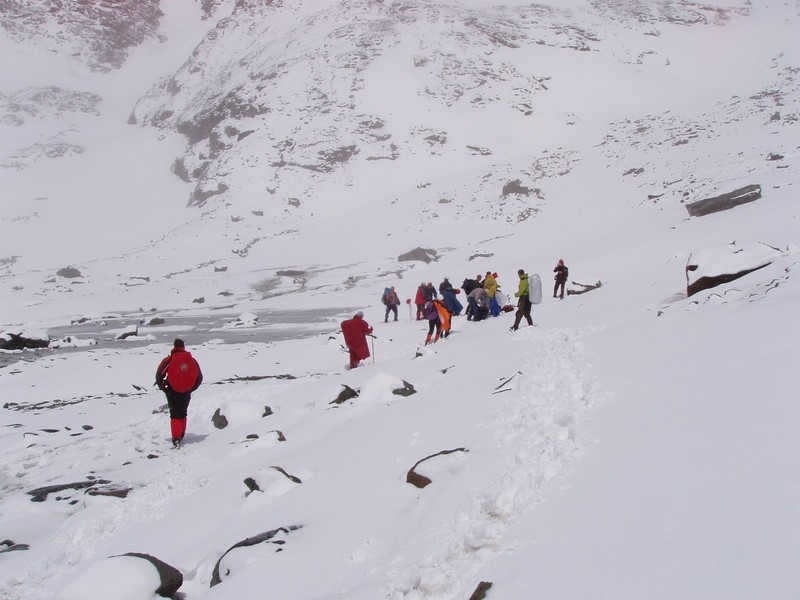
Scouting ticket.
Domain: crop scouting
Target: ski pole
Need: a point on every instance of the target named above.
(373, 348)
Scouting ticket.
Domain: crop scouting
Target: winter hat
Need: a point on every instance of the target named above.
(178, 343)
(360, 313)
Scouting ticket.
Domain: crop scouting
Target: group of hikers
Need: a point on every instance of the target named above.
(483, 296)
(179, 374)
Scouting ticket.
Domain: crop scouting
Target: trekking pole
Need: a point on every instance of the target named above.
(373, 348)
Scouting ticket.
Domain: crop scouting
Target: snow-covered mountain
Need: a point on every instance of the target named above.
(196, 160)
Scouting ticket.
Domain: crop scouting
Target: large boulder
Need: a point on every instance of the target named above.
(20, 339)
(749, 193)
(131, 576)
(711, 267)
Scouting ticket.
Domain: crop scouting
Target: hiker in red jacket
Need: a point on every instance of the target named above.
(178, 375)
(355, 332)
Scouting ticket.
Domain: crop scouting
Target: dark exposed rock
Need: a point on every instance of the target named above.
(131, 331)
(200, 195)
(171, 579)
(346, 394)
(40, 494)
(111, 490)
(290, 477)
(584, 287)
(515, 187)
(480, 591)
(98, 33)
(18, 341)
(705, 283)
(425, 255)
(707, 206)
(251, 484)
(715, 266)
(261, 538)
(253, 378)
(406, 390)
(69, 272)
(219, 420)
(422, 481)
(11, 546)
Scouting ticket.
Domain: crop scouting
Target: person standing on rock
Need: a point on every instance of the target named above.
(355, 333)
(178, 375)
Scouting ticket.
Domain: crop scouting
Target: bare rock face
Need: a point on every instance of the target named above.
(99, 33)
(426, 255)
(275, 537)
(278, 112)
(711, 267)
(749, 193)
(170, 577)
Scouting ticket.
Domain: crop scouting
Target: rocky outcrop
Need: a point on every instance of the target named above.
(421, 481)
(171, 578)
(262, 538)
(712, 267)
(749, 193)
(22, 341)
(99, 34)
(425, 255)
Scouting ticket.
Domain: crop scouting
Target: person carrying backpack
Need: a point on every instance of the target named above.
(561, 274)
(178, 375)
(392, 301)
(529, 293)
(434, 322)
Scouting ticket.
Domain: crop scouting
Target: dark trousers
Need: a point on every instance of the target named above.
(559, 284)
(523, 310)
(178, 403)
(390, 308)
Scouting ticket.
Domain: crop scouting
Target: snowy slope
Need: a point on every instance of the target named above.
(634, 443)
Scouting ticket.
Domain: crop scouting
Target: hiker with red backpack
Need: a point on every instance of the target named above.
(178, 375)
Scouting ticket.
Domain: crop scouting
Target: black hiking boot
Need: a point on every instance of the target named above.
(176, 443)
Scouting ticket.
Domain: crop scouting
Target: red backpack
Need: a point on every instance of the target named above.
(182, 372)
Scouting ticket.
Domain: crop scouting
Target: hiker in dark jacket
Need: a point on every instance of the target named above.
(391, 301)
(448, 293)
(430, 292)
(178, 375)
(561, 273)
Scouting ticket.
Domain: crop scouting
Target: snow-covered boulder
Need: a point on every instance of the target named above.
(243, 320)
(131, 576)
(20, 339)
(714, 266)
